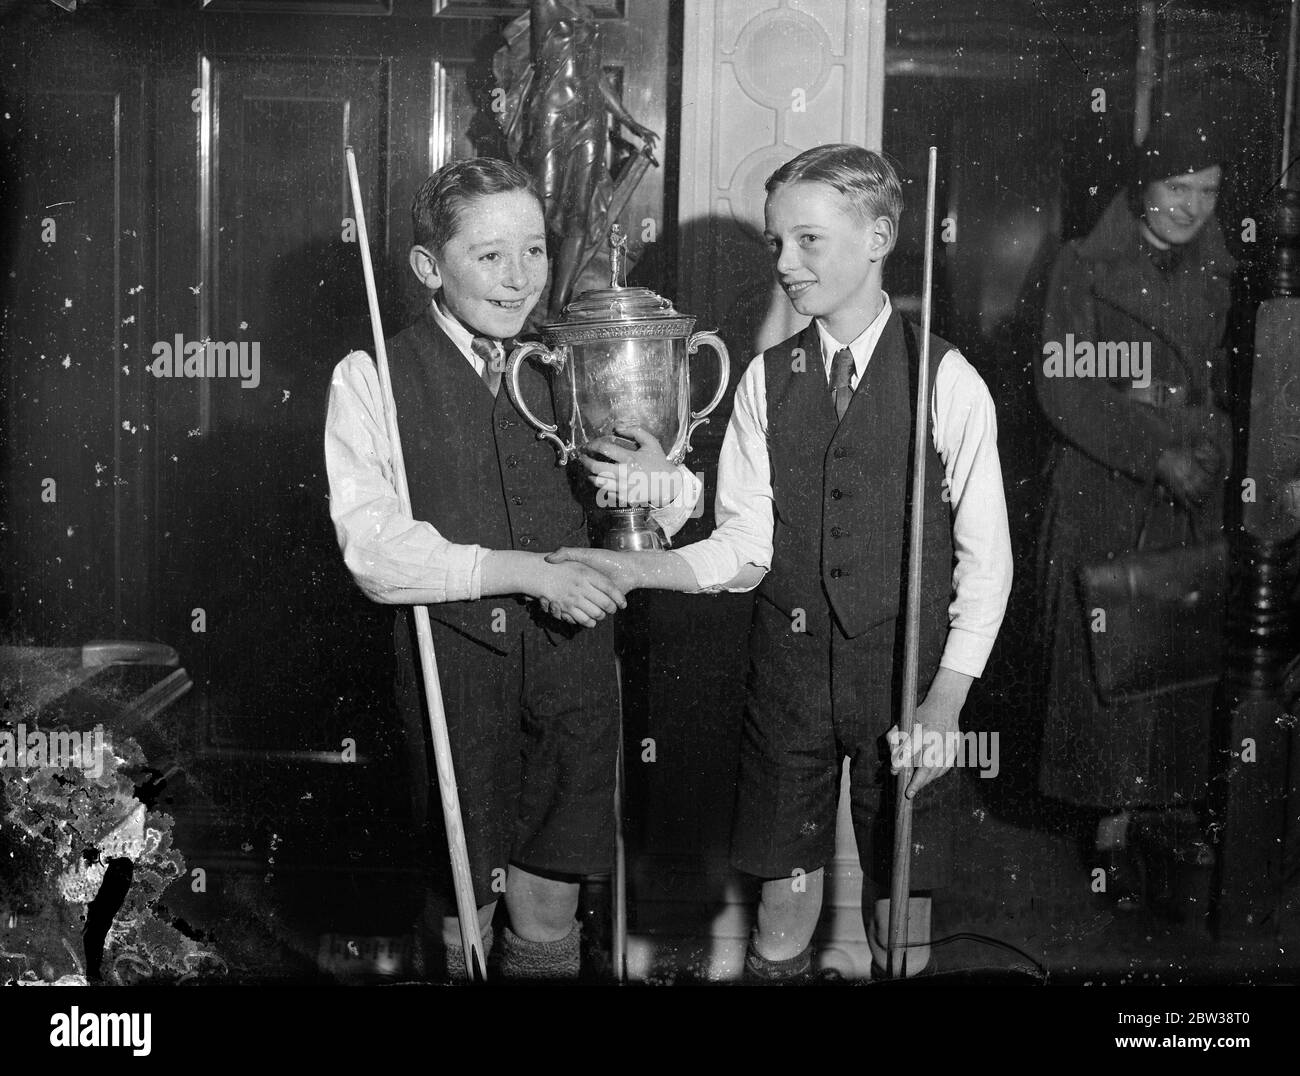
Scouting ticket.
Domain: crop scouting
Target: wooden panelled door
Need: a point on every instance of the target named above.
(175, 173)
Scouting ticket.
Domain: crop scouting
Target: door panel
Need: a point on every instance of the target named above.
(76, 417)
(201, 152)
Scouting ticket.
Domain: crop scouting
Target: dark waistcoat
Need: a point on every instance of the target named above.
(842, 488)
(476, 470)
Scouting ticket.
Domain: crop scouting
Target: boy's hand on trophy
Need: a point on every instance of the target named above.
(631, 477)
(619, 568)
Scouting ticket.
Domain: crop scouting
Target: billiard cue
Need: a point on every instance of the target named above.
(466, 910)
(900, 887)
(619, 941)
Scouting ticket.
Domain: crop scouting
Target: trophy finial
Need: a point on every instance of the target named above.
(617, 257)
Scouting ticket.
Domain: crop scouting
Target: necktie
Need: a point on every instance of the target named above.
(486, 349)
(841, 380)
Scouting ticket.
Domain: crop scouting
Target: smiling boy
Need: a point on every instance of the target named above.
(812, 508)
(531, 702)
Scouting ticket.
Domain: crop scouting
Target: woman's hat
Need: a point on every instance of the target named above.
(1185, 137)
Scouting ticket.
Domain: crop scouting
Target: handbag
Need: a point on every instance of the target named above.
(1163, 612)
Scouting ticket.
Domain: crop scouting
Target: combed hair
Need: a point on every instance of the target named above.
(436, 210)
(866, 178)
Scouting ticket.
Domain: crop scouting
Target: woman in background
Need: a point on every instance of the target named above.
(1154, 271)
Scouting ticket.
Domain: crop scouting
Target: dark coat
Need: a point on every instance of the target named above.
(1109, 437)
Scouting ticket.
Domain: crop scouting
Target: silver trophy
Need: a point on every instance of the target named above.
(621, 358)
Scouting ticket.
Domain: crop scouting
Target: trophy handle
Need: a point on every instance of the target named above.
(545, 430)
(699, 418)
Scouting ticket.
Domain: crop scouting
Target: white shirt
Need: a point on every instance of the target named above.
(395, 559)
(739, 552)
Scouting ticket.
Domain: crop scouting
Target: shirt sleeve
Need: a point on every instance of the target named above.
(966, 438)
(672, 517)
(738, 553)
(396, 560)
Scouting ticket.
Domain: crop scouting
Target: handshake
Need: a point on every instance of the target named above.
(581, 585)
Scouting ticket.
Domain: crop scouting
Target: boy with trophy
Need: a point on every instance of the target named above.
(531, 702)
(812, 508)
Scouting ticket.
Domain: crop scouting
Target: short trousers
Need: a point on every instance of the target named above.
(534, 744)
(811, 701)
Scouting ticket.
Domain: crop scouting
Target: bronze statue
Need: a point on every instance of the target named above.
(558, 104)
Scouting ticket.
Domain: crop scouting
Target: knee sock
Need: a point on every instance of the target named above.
(758, 969)
(519, 958)
(457, 969)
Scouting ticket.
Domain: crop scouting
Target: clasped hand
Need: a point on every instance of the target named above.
(1190, 473)
(587, 584)
(578, 593)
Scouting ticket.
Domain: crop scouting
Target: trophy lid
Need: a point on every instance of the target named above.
(617, 303)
